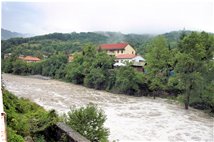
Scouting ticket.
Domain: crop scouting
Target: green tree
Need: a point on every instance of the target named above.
(158, 65)
(20, 67)
(89, 121)
(103, 60)
(95, 79)
(74, 70)
(89, 67)
(127, 81)
(195, 52)
(51, 66)
(99, 71)
(7, 65)
(36, 68)
(111, 80)
(60, 73)
(89, 53)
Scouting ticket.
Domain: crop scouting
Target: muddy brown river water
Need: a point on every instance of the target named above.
(129, 119)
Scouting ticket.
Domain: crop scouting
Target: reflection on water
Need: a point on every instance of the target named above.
(128, 118)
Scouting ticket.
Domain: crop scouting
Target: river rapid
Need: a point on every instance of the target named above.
(129, 119)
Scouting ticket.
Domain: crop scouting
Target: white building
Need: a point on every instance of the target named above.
(124, 59)
(138, 58)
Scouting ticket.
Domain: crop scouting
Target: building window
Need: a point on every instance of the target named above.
(121, 51)
(118, 51)
(132, 52)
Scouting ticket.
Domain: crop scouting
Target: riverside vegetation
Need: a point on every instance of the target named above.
(29, 121)
(25, 118)
(183, 71)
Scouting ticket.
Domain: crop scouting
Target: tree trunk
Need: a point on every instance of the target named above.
(186, 105)
(154, 94)
(187, 100)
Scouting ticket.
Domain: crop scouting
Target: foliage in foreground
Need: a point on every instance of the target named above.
(88, 121)
(25, 118)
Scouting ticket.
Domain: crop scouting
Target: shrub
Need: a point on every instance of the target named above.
(89, 121)
(127, 81)
(13, 137)
(25, 118)
(95, 79)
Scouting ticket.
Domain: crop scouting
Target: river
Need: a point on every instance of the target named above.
(129, 119)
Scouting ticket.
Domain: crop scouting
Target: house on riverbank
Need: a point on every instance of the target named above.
(117, 49)
(124, 54)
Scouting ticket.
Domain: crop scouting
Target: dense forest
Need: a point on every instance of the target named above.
(179, 64)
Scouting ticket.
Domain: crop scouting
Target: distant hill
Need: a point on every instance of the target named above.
(73, 42)
(174, 36)
(6, 34)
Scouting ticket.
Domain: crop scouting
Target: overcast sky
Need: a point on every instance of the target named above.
(126, 16)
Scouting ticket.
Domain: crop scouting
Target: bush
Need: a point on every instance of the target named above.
(54, 66)
(25, 118)
(88, 121)
(13, 137)
(95, 79)
(7, 66)
(20, 67)
(127, 81)
(74, 70)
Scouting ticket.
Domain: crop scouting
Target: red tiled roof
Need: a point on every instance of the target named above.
(125, 56)
(113, 46)
(30, 58)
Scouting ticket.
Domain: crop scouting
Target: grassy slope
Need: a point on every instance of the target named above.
(25, 118)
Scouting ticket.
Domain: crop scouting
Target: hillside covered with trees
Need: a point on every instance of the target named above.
(179, 68)
(69, 43)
